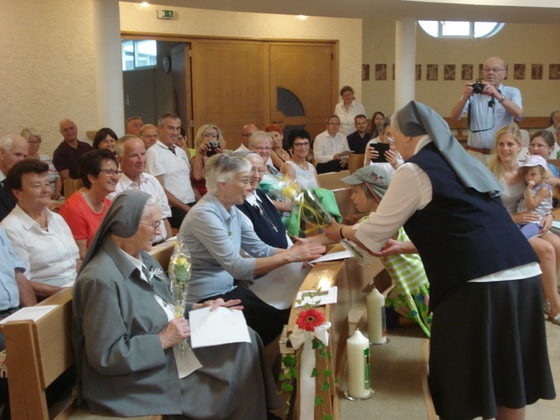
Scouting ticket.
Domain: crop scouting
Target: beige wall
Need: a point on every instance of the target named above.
(348, 32)
(48, 68)
(516, 43)
(48, 57)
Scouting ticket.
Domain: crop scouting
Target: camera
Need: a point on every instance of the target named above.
(478, 86)
(213, 145)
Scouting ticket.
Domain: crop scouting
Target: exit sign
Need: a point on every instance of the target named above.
(165, 14)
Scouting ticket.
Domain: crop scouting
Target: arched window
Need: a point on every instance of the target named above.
(456, 29)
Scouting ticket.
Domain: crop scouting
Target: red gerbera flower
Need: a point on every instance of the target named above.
(308, 320)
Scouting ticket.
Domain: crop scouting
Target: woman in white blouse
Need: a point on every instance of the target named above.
(347, 109)
(41, 238)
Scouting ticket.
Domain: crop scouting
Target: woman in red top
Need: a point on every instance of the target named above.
(84, 210)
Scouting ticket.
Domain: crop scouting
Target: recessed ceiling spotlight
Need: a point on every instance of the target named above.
(145, 4)
(302, 17)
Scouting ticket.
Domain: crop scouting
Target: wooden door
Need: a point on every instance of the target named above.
(182, 93)
(236, 82)
(229, 87)
(302, 84)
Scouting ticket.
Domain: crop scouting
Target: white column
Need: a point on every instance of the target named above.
(110, 103)
(405, 60)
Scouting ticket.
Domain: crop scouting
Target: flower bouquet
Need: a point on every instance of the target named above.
(279, 187)
(179, 274)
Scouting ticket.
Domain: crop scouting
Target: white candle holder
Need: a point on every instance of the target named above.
(351, 398)
(379, 344)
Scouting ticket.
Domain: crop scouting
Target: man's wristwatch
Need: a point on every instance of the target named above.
(501, 99)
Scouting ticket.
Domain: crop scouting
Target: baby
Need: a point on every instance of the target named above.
(537, 196)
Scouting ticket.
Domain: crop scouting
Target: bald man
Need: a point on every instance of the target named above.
(246, 132)
(489, 106)
(13, 148)
(66, 155)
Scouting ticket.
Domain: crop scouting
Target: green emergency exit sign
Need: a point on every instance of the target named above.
(165, 14)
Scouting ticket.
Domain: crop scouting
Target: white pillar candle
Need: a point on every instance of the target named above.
(357, 347)
(377, 329)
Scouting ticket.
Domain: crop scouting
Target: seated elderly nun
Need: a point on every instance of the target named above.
(125, 333)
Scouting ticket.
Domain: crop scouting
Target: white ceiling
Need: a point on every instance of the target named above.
(511, 11)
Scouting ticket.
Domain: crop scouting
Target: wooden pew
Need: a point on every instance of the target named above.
(331, 180)
(352, 280)
(459, 128)
(355, 162)
(70, 186)
(38, 352)
(534, 123)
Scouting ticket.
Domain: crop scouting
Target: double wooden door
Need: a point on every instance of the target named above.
(235, 82)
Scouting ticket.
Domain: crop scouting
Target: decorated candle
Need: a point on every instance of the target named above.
(377, 330)
(357, 347)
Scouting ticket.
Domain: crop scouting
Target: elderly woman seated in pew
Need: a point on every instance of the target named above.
(125, 330)
(84, 210)
(277, 287)
(41, 238)
(215, 232)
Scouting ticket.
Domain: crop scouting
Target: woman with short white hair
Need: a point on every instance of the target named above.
(215, 232)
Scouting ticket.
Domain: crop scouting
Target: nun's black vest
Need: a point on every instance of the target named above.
(462, 234)
(263, 225)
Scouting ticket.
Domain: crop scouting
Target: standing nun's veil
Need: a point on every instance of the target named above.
(417, 119)
(122, 219)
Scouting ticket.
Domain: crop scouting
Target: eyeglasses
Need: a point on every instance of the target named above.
(155, 225)
(213, 135)
(301, 144)
(493, 69)
(262, 148)
(335, 123)
(243, 181)
(111, 172)
(257, 171)
(538, 146)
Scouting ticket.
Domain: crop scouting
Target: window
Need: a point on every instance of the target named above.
(139, 54)
(455, 29)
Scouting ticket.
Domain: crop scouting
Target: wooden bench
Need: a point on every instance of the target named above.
(534, 123)
(38, 353)
(353, 281)
(459, 128)
(331, 180)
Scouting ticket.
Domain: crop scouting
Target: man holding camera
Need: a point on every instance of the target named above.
(489, 105)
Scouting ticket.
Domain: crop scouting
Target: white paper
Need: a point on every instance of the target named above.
(333, 256)
(278, 287)
(221, 326)
(32, 313)
(185, 360)
(315, 298)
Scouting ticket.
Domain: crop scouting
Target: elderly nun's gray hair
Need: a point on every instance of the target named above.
(222, 168)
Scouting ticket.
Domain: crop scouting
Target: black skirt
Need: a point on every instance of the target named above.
(488, 348)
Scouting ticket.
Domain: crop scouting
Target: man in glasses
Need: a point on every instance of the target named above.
(331, 148)
(490, 105)
(246, 132)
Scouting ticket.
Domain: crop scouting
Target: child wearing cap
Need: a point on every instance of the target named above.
(537, 196)
(410, 295)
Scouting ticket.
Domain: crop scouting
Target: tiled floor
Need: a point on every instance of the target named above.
(399, 399)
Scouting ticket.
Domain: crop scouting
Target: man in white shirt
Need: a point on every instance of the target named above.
(330, 148)
(131, 155)
(170, 165)
(246, 133)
